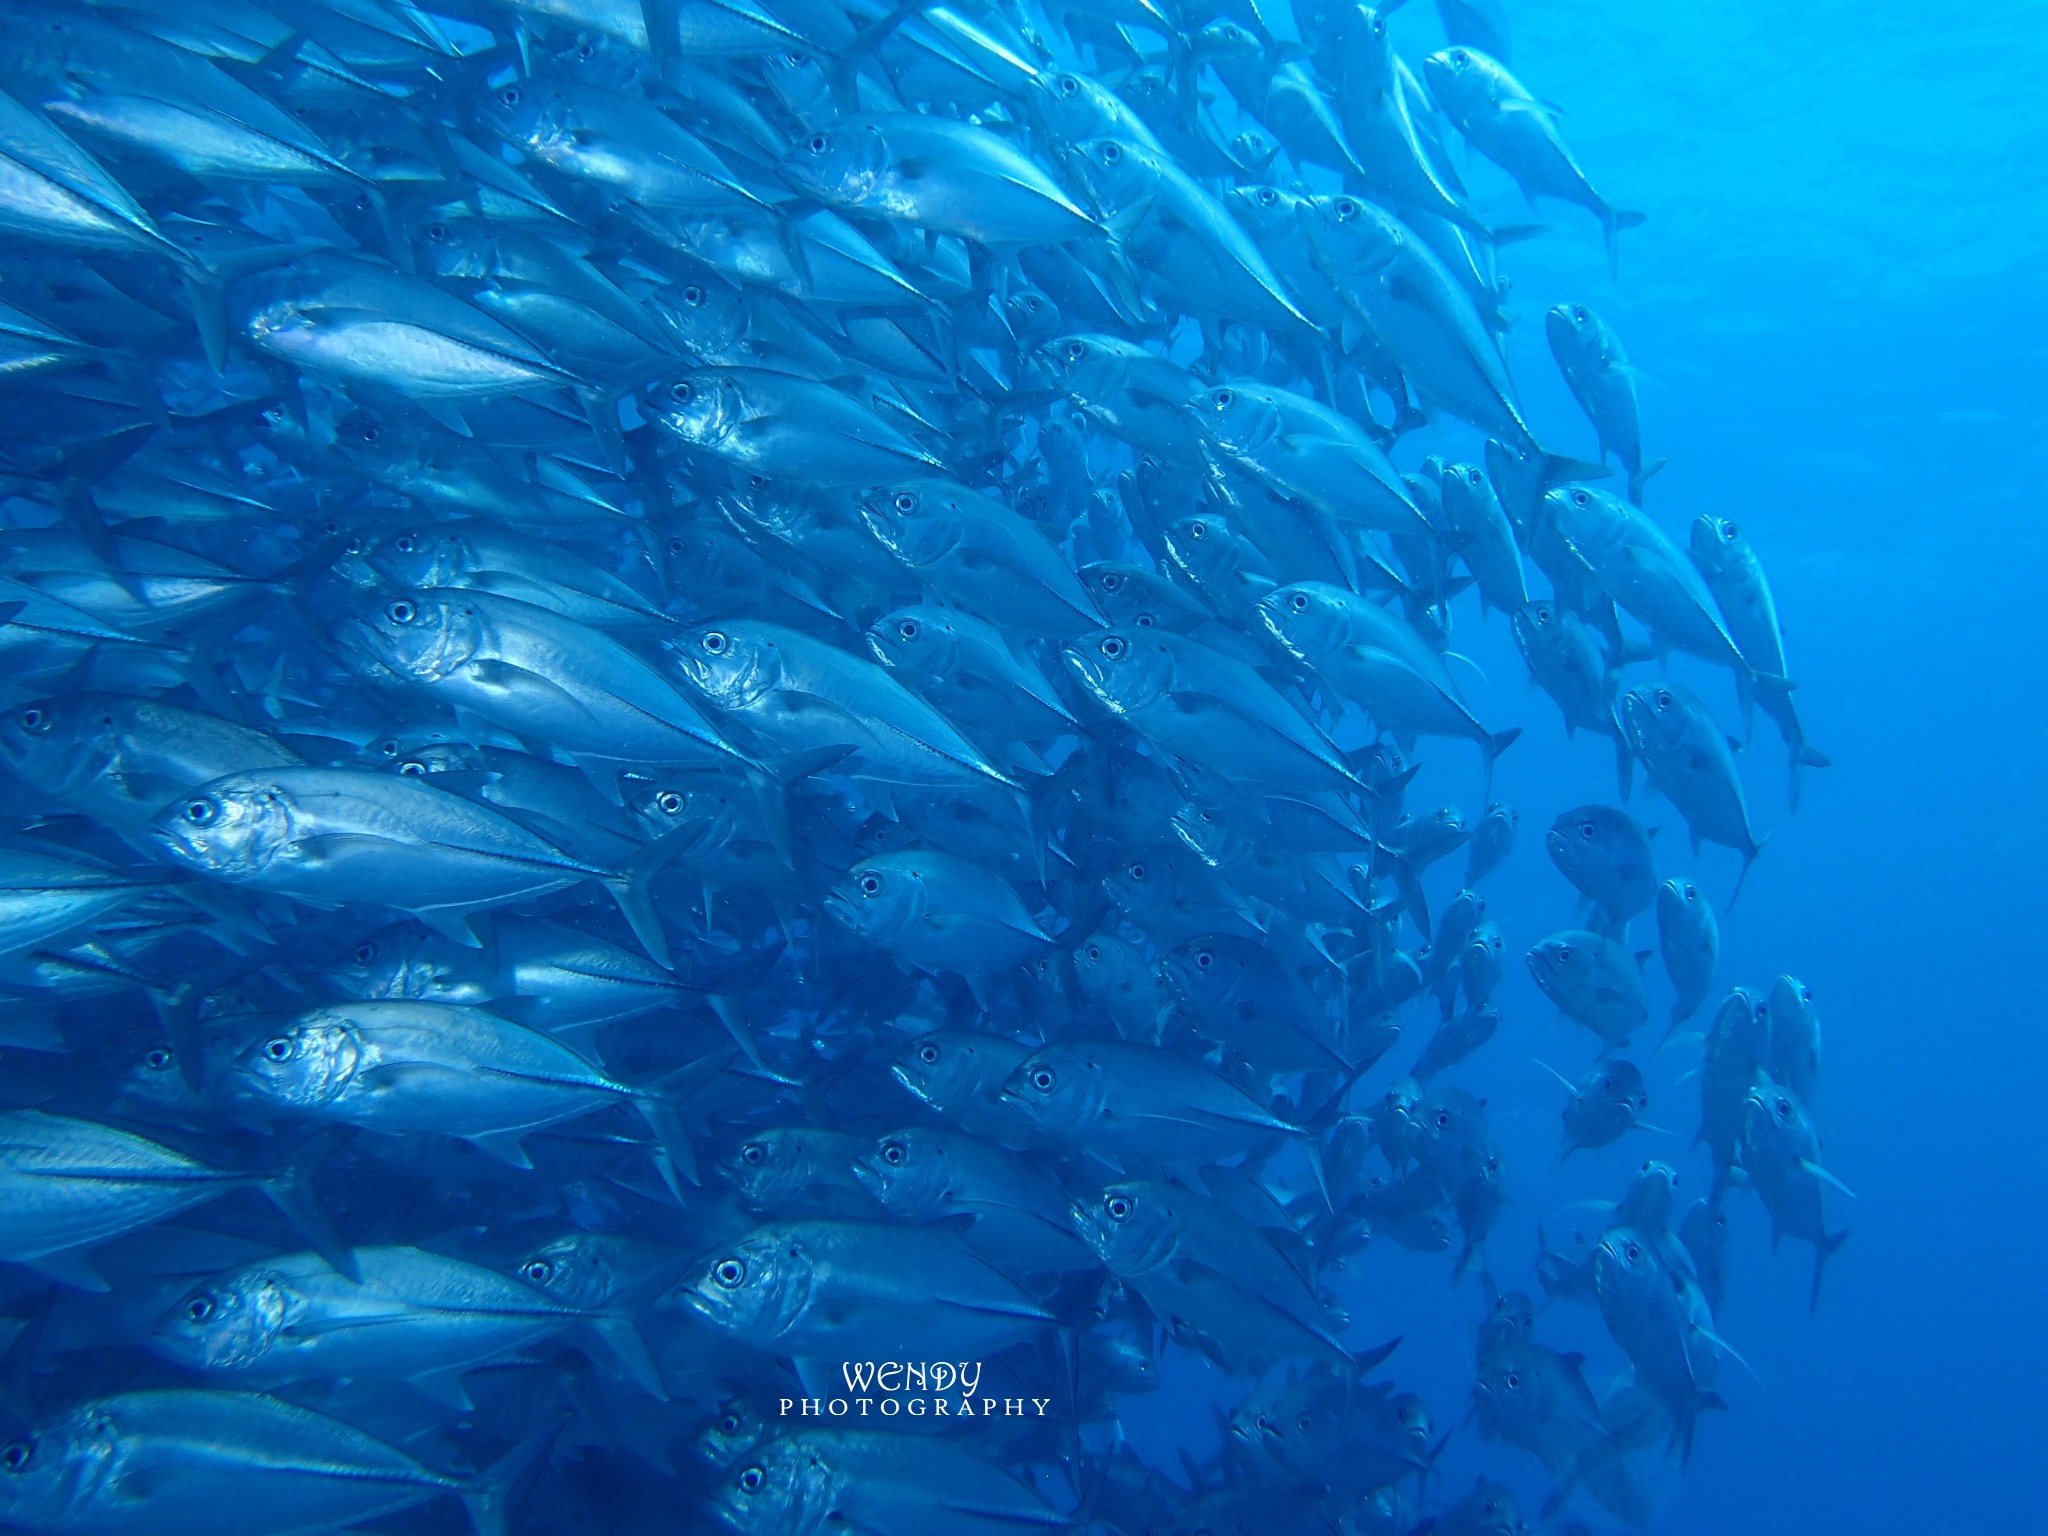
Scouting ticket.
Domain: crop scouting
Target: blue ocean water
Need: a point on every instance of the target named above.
(1834, 308)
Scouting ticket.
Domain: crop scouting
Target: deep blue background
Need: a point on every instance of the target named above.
(1839, 303)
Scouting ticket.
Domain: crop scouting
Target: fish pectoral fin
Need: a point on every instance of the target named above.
(503, 1145)
(1825, 1177)
(69, 1267)
(451, 924)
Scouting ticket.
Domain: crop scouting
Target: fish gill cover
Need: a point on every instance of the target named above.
(730, 713)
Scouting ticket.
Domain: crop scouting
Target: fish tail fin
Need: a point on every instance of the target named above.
(1612, 222)
(1822, 1252)
(1748, 858)
(1563, 469)
(1803, 757)
(630, 888)
(291, 1191)
(1638, 476)
(490, 1495)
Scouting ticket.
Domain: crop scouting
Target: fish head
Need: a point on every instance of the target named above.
(919, 521)
(707, 314)
(228, 1323)
(1650, 1196)
(1069, 108)
(578, 1269)
(882, 896)
(424, 557)
(1540, 628)
(1773, 1120)
(1031, 314)
(1350, 240)
(1207, 549)
(61, 744)
(1468, 496)
(780, 1486)
(909, 1171)
(1656, 718)
(1587, 518)
(704, 805)
(1308, 619)
(1562, 963)
(842, 165)
(703, 407)
(1366, 49)
(1459, 79)
(738, 1425)
(1108, 966)
(231, 828)
(1238, 418)
(1573, 332)
(1268, 213)
(1131, 1224)
(1060, 1088)
(423, 635)
(306, 1066)
(1717, 544)
(1124, 669)
(1226, 42)
(394, 962)
(61, 1474)
(755, 1287)
(772, 1167)
(1584, 841)
(1208, 972)
(921, 639)
(1117, 174)
(1088, 368)
(1679, 903)
(457, 249)
(534, 116)
(732, 666)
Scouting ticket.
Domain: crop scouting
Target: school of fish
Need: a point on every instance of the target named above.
(703, 690)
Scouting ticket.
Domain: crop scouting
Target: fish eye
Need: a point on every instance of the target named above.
(1112, 647)
(279, 1049)
(1460, 57)
(1564, 954)
(907, 630)
(511, 96)
(1267, 197)
(412, 768)
(1443, 1119)
(1474, 479)
(17, 1454)
(1379, 26)
(820, 143)
(35, 718)
(1634, 1253)
(1043, 1079)
(1664, 699)
(1119, 1207)
(1094, 951)
(1581, 499)
(753, 1153)
(752, 1479)
(157, 1059)
(202, 813)
(730, 1274)
(400, 612)
(1298, 602)
(538, 1271)
(928, 1053)
(1345, 209)
(682, 391)
(905, 501)
(586, 51)
(715, 642)
(199, 1308)
(1588, 831)
(1144, 621)
(1137, 872)
(1111, 153)
(437, 233)
(1069, 86)
(405, 544)
(871, 884)
(668, 802)
(894, 1152)
(1579, 313)
(1730, 533)
(366, 953)
(1204, 959)
(1784, 1109)
(729, 1424)
(693, 295)
(1076, 350)
(1198, 529)
(1222, 399)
